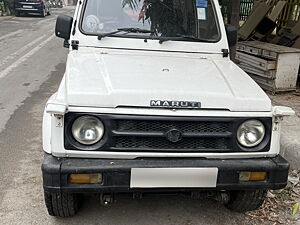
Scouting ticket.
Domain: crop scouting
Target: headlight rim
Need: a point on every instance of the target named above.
(85, 117)
(263, 141)
(70, 143)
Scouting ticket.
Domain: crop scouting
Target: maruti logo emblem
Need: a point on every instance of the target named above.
(174, 135)
(174, 104)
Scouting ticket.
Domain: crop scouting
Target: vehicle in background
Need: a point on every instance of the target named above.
(59, 4)
(41, 7)
(55, 3)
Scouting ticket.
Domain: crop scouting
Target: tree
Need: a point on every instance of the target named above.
(235, 21)
(8, 5)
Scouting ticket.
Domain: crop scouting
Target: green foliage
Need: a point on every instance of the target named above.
(295, 208)
(8, 4)
(132, 3)
(165, 16)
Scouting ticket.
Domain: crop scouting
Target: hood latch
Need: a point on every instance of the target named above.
(225, 53)
(74, 44)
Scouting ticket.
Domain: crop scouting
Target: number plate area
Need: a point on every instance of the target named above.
(173, 177)
(27, 6)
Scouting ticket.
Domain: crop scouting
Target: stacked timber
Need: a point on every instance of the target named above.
(273, 67)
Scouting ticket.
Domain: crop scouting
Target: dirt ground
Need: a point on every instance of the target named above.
(278, 208)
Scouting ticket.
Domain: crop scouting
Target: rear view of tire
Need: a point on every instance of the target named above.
(243, 201)
(61, 204)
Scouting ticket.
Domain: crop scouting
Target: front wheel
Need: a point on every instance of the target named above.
(243, 201)
(43, 13)
(61, 204)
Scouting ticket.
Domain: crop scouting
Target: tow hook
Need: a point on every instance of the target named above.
(106, 199)
(223, 197)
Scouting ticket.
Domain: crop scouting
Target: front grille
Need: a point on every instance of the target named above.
(184, 126)
(150, 135)
(150, 143)
(138, 133)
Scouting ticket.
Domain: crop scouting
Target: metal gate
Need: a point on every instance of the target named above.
(246, 6)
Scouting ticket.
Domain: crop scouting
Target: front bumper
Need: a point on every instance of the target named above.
(116, 173)
(29, 7)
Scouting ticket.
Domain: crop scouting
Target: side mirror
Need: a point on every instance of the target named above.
(231, 32)
(63, 26)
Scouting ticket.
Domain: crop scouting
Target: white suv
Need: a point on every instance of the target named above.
(151, 102)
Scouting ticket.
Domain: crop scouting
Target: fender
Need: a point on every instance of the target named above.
(46, 130)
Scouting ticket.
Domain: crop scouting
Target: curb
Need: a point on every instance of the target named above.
(290, 141)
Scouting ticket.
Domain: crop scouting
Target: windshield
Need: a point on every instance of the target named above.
(164, 18)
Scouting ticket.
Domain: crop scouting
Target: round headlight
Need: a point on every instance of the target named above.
(251, 133)
(87, 130)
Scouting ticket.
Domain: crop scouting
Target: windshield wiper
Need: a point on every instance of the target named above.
(182, 38)
(128, 30)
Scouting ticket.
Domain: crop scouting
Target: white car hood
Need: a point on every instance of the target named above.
(134, 78)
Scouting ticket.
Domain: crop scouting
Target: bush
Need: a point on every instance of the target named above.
(8, 4)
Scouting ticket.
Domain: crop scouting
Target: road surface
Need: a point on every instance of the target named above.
(32, 63)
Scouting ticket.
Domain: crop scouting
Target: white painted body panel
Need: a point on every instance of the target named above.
(122, 75)
(122, 78)
(46, 132)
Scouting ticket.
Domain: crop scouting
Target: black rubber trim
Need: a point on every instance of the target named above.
(116, 173)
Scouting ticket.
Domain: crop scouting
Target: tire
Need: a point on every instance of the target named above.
(61, 204)
(49, 12)
(243, 201)
(43, 13)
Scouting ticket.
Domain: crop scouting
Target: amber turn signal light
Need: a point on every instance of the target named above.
(93, 178)
(252, 176)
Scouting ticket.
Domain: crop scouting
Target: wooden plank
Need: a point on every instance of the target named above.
(259, 63)
(270, 47)
(248, 49)
(265, 84)
(253, 51)
(277, 10)
(265, 27)
(269, 85)
(296, 29)
(253, 20)
(269, 54)
(266, 74)
(285, 38)
(297, 43)
(240, 47)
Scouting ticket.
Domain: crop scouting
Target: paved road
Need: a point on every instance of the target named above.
(32, 62)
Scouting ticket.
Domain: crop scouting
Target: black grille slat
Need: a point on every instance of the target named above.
(150, 135)
(162, 134)
(154, 143)
(184, 126)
